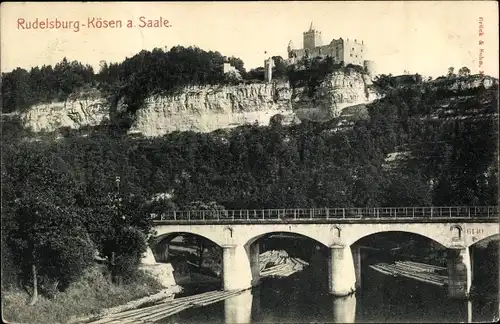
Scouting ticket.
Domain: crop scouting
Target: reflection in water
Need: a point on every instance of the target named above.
(469, 311)
(344, 309)
(238, 309)
(382, 299)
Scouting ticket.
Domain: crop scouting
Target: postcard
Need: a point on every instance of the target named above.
(250, 162)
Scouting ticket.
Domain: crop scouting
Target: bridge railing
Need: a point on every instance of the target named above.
(330, 213)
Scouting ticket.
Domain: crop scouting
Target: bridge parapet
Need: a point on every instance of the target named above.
(379, 214)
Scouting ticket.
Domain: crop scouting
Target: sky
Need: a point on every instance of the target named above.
(423, 37)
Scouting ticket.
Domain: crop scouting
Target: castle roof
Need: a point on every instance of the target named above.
(312, 27)
(290, 44)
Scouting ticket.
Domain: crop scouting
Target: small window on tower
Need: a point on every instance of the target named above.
(351, 55)
(353, 48)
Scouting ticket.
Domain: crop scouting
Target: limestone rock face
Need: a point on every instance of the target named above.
(204, 109)
(148, 257)
(73, 113)
(163, 272)
(338, 91)
(472, 82)
(207, 108)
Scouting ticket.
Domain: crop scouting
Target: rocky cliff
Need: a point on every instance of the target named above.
(207, 108)
(76, 112)
(338, 91)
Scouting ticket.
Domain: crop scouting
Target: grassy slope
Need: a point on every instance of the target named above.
(87, 296)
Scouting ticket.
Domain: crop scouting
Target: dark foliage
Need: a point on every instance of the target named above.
(63, 196)
(147, 73)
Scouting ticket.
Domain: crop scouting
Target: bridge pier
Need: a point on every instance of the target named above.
(254, 263)
(356, 257)
(459, 273)
(341, 273)
(236, 272)
(344, 309)
(161, 251)
(238, 309)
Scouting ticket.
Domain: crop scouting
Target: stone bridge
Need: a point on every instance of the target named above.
(237, 231)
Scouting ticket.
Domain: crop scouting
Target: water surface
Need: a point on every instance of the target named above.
(302, 298)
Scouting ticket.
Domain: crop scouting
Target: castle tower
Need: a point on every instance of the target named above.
(268, 70)
(290, 47)
(312, 37)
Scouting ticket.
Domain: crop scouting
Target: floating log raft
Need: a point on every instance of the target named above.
(423, 265)
(414, 270)
(284, 267)
(162, 310)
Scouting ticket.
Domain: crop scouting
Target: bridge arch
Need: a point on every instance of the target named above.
(257, 237)
(486, 240)
(439, 234)
(161, 244)
(170, 236)
(442, 243)
(165, 231)
(252, 247)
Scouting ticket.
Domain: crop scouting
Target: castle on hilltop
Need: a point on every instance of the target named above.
(340, 50)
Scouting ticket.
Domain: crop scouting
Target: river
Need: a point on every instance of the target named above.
(302, 299)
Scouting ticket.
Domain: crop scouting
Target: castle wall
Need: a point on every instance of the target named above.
(347, 51)
(353, 52)
(228, 68)
(338, 49)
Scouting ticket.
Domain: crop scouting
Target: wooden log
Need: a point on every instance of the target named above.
(403, 271)
(382, 270)
(194, 297)
(273, 269)
(215, 300)
(302, 262)
(171, 311)
(416, 269)
(424, 265)
(149, 318)
(152, 308)
(167, 309)
(424, 274)
(277, 270)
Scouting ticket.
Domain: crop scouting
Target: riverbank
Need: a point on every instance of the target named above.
(91, 295)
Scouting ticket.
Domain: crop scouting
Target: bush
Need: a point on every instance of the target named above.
(71, 255)
(130, 245)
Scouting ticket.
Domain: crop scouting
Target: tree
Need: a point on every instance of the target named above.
(464, 71)
(211, 209)
(451, 71)
(256, 74)
(238, 64)
(276, 121)
(119, 224)
(279, 67)
(17, 93)
(48, 241)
